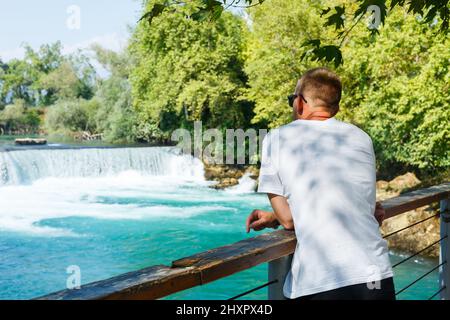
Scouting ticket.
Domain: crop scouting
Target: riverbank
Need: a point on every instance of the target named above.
(227, 176)
(415, 238)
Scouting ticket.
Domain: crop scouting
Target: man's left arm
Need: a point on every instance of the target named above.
(380, 213)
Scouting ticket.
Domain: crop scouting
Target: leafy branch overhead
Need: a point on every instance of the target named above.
(318, 52)
(336, 19)
(435, 12)
(204, 10)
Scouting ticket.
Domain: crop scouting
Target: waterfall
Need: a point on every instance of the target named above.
(19, 167)
(246, 185)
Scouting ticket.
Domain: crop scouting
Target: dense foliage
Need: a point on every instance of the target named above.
(115, 118)
(186, 71)
(44, 76)
(396, 86)
(274, 54)
(398, 91)
(343, 17)
(17, 118)
(67, 89)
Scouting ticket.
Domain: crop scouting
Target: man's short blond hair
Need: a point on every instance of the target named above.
(323, 86)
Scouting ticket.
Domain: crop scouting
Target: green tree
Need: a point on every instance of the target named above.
(17, 118)
(115, 118)
(186, 70)
(45, 75)
(70, 116)
(107, 110)
(16, 81)
(3, 68)
(274, 54)
(397, 90)
(20, 80)
(74, 77)
(394, 86)
(342, 17)
(66, 82)
(38, 64)
(62, 82)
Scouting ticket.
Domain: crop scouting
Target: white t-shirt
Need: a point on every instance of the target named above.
(326, 170)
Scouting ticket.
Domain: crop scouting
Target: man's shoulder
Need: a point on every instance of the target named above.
(356, 131)
(285, 128)
(274, 132)
(339, 127)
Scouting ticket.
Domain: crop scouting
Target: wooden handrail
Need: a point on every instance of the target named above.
(415, 199)
(159, 281)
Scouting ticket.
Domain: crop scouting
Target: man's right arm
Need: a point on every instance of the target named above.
(282, 211)
(281, 215)
(270, 183)
(260, 219)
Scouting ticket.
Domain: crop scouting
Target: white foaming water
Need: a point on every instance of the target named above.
(25, 166)
(38, 185)
(246, 185)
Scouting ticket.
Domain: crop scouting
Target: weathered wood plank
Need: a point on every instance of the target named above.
(224, 261)
(159, 281)
(415, 199)
(149, 283)
(30, 142)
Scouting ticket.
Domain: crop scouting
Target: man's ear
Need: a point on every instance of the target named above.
(299, 107)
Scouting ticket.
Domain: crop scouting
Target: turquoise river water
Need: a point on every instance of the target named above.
(113, 210)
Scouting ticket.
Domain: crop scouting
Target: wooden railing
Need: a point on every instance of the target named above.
(274, 247)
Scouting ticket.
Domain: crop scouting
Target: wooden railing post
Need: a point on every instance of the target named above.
(278, 269)
(444, 254)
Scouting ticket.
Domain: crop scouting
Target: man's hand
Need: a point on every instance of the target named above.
(379, 213)
(259, 220)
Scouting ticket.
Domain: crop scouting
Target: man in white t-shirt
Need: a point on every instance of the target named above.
(319, 174)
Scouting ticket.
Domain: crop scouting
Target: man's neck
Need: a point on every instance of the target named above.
(317, 115)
